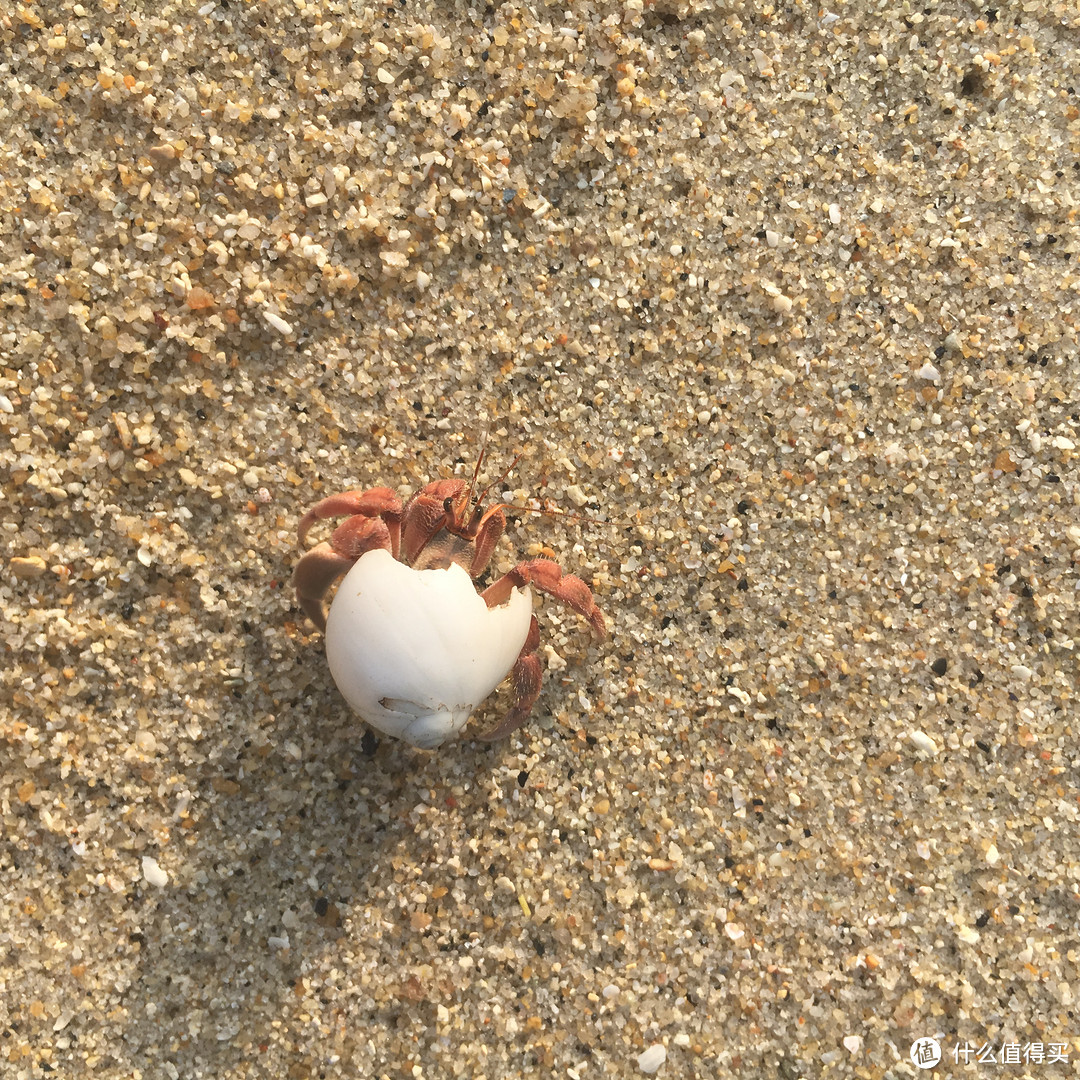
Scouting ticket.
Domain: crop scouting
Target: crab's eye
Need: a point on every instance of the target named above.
(448, 505)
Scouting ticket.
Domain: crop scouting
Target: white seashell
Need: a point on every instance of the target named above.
(415, 651)
(653, 1058)
(278, 323)
(153, 873)
(923, 742)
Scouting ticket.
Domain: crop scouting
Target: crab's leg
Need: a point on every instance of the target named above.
(379, 502)
(374, 521)
(325, 563)
(314, 574)
(547, 576)
(526, 677)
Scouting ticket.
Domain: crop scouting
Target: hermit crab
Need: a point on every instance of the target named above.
(411, 643)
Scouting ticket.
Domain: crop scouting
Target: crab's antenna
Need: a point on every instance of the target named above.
(509, 469)
(476, 471)
(573, 515)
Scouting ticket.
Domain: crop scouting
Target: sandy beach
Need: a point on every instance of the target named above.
(780, 306)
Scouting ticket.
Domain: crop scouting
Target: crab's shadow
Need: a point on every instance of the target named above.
(292, 837)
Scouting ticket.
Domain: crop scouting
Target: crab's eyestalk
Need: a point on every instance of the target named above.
(478, 515)
(454, 521)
